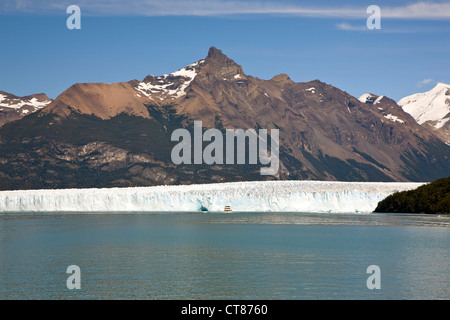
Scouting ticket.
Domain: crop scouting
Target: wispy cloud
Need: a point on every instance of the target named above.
(348, 27)
(425, 82)
(417, 10)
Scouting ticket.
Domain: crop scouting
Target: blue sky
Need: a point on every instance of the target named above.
(326, 40)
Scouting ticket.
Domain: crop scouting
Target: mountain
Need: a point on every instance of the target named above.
(109, 100)
(14, 108)
(431, 109)
(119, 134)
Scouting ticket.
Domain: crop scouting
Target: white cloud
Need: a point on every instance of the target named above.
(417, 10)
(348, 27)
(425, 82)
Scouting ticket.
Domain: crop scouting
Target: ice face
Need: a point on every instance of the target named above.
(266, 196)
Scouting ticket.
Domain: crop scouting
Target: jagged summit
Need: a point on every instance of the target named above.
(173, 86)
(214, 52)
(219, 65)
(131, 97)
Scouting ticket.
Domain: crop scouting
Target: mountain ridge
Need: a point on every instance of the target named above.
(119, 134)
(14, 108)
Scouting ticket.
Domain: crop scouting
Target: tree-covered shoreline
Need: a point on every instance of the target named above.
(431, 198)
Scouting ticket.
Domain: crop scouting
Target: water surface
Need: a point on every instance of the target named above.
(224, 256)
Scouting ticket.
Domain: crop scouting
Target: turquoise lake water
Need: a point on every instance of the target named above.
(224, 256)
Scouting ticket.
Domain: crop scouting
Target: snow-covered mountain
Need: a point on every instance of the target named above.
(431, 108)
(13, 107)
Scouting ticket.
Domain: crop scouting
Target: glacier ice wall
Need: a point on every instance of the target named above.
(264, 196)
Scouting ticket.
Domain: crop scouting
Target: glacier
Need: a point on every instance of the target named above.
(252, 196)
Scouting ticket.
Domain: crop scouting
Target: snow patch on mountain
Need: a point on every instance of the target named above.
(394, 118)
(366, 98)
(370, 98)
(17, 103)
(172, 85)
(377, 100)
(441, 123)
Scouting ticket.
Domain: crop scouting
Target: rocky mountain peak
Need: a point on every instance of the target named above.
(219, 64)
(214, 52)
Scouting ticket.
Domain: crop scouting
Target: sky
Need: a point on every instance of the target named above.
(326, 40)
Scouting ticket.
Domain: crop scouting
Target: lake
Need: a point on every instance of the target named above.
(224, 256)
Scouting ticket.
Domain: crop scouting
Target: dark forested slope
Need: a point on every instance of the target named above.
(433, 197)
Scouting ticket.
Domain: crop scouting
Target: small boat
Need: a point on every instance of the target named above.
(227, 209)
